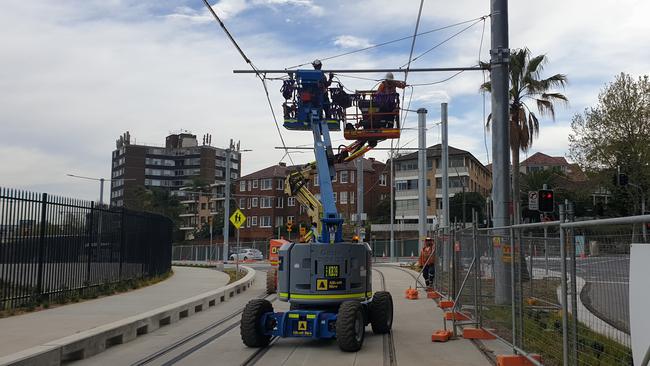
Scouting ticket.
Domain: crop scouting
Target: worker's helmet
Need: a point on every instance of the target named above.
(389, 76)
(428, 240)
(317, 64)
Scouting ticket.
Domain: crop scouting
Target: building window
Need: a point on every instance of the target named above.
(242, 186)
(351, 176)
(242, 202)
(255, 183)
(280, 184)
(344, 198)
(351, 198)
(248, 202)
(316, 180)
(291, 201)
(249, 185)
(382, 180)
(265, 221)
(335, 196)
(203, 206)
(334, 178)
(254, 202)
(279, 203)
(290, 219)
(253, 220)
(344, 176)
(267, 184)
(279, 221)
(266, 202)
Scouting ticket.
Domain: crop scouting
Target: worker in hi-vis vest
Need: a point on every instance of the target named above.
(427, 261)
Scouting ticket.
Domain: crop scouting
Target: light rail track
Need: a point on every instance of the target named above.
(390, 356)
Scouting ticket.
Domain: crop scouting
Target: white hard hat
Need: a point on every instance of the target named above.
(389, 76)
(317, 63)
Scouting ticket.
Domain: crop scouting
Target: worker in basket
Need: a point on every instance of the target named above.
(324, 84)
(387, 99)
(427, 261)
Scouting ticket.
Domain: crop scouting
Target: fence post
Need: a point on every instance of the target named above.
(574, 290)
(122, 235)
(90, 242)
(477, 267)
(41, 245)
(563, 284)
(513, 308)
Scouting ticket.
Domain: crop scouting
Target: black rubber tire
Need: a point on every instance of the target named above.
(252, 332)
(381, 312)
(271, 281)
(350, 328)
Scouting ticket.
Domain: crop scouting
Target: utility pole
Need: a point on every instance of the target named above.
(446, 247)
(422, 171)
(359, 163)
(392, 202)
(226, 203)
(499, 62)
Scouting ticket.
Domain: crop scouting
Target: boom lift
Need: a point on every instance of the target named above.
(327, 282)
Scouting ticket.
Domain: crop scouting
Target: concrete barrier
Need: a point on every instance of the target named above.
(93, 341)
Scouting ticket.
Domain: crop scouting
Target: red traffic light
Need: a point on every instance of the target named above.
(546, 200)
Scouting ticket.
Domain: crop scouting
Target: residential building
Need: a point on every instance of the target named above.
(465, 173)
(175, 167)
(260, 195)
(540, 161)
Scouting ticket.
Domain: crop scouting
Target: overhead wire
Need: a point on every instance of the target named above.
(390, 42)
(259, 75)
(480, 49)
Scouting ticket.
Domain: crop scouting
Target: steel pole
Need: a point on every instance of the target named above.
(360, 201)
(446, 249)
(574, 291)
(499, 60)
(422, 179)
(563, 286)
(226, 205)
(392, 203)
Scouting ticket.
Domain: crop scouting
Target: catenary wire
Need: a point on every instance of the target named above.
(260, 76)
(391, 41)
(480, 49)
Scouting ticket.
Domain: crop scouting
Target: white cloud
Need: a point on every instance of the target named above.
(346, 41)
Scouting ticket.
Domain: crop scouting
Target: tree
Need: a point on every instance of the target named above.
(526, 85)
(156, 200)
(473, 200)
(615, 134)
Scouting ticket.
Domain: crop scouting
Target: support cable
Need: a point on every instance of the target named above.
(390, 42)
(259, 75)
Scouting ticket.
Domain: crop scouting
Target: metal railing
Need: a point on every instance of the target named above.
(559, 289)
(53, 246)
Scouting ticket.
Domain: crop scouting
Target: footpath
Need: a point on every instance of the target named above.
(22, 332)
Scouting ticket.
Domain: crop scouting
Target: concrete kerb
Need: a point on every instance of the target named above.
(93, 341)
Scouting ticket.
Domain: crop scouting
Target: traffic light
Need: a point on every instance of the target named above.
(546, 200)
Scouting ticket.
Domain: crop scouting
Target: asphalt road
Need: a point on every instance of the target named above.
(606, 292)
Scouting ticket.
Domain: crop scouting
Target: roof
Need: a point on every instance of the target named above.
(433, 152)
(539, 158)
(281, 171)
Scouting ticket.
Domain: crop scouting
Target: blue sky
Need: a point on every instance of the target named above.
(74, 75)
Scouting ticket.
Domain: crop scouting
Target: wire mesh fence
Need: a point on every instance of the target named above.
(51, 246)
(559, 289)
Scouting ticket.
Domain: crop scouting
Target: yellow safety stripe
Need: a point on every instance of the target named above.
(330, 297)
(311, 316)
(294, 316)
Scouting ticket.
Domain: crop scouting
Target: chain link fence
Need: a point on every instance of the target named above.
(559, 289)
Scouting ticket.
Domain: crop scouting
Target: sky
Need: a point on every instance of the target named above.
(75, 75)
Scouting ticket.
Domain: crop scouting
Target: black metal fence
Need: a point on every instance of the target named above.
(51, 246)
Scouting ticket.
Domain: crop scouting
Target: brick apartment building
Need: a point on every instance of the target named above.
(171, 167)
(464, 171)
(260, 195)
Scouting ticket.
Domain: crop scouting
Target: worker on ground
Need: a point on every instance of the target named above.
(314, 232)
(325, 84)
(386, 100)
(427, 261)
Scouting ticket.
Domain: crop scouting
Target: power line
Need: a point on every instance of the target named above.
(260, 76)
(446, 40)
(480, 49)
(391, 41)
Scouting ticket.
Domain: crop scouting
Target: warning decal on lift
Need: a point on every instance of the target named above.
(332, 284)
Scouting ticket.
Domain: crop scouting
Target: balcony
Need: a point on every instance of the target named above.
(412, 212)
(187, 228)
(188, 214)
(406, 174)
(453, 171)
(406, 194)
(451, 191)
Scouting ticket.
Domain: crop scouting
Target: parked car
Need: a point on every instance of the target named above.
(246, 254)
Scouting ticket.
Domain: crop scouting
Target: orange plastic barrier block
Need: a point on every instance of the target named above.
(446, 304)
(455, 316)
(477, 333)
(411, 294)
(516, 360)
(433, 295)
(441, 335)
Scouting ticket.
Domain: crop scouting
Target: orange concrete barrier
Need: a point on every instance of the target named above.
(516, 360)
(446, 304)
(441, 335)
(455, 316)
(433, 295)
(477, 333)
(411, 294)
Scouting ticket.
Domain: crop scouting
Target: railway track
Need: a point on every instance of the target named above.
(390, 356)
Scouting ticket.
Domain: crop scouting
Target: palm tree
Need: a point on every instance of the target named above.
(526, 85)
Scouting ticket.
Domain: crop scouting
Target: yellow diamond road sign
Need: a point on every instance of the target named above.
(238, 218)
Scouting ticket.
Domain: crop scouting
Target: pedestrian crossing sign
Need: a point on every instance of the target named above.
(238, 218)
